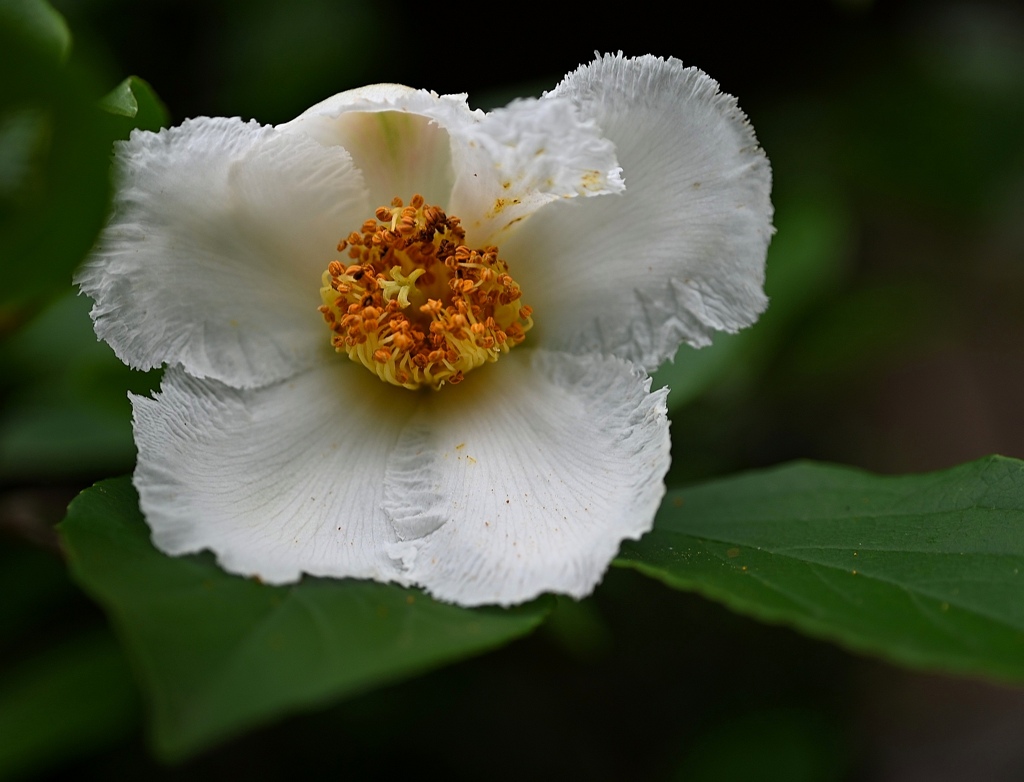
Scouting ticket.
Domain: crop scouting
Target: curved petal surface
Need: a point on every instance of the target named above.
(397, 136)
(525, 478)
(518, 158)
(212, 259)
(276, 481)
(677, 256)
(491, 170)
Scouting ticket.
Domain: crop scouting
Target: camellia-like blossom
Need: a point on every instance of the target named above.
(409, 341)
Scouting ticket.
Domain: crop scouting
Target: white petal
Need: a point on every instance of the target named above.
(396, 135)
(525, 478)
(490, 170)
(681, 253)
(276, 481)
(212, 259)
(518, 158)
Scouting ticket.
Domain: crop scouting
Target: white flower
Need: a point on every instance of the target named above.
(631, 206)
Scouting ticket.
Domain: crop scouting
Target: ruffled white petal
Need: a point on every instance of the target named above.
(525, 478)
(681, 253)
(491, 170)
(516, 159)
(397, 136)
(283, 458)
(278, 481)
(212, 259)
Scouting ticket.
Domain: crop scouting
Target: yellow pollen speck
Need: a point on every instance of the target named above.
(414, 304)
(592, 180)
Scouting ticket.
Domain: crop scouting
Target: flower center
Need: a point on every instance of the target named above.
(417, 306)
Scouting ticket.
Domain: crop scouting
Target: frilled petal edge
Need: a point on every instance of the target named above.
(525, 478)
(525, 155)
(213, 256)
(277, 481)
(491, 170)
(681, 253)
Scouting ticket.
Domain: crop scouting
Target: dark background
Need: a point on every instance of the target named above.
(896, 135)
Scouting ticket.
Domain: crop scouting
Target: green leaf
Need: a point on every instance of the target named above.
(54, 164)
(38, 23)
(217, 653)
(134, 99)
(924, 570)
(72, 699)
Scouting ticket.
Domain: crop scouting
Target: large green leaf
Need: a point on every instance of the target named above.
(217, 653)
(925, 570)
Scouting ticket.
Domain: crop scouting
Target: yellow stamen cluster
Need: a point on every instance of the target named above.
(414, 304)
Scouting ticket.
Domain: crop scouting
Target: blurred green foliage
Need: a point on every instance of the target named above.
(38, 26)
(70, 417)
(66, 700)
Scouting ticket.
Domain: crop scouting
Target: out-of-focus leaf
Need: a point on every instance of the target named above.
(72, 699)
(38, 23)
(579, 629)
(278, 59)
(925, 570)
(866, 328)
(217, 653)
(54, 184)
(44, 439)
(134, 100)
(65, 411)
(32, 581)
(777, 745)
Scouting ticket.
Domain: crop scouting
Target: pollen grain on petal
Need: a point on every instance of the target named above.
(414, 304)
